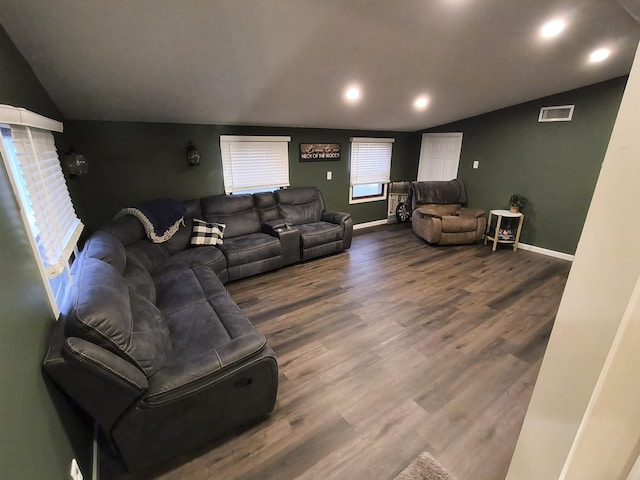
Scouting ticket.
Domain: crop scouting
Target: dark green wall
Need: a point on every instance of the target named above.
(133, 162)
(19, 86)
(555, 164)
(33, 441)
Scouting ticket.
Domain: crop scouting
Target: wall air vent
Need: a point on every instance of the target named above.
(562, 113)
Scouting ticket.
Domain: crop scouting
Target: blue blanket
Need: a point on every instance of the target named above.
(161, 218)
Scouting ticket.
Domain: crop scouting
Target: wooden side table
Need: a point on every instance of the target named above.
(499, 234)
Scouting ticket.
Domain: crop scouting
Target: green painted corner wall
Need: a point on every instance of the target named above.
(556, 165)
(132, 162)
(19, 86)
(34, 440)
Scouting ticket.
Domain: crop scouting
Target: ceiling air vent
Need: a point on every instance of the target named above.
(562, 113)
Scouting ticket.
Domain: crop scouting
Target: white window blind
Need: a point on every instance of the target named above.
(254, 163)
(370, 160)
(53, 221)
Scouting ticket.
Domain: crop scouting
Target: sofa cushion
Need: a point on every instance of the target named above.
(152, 256)
(206, 233)
(181, 239)
(209, 256)
(436, 191)
(434, 209)
(237, 212)
(250, 248)
(193, 209)
(104, 246)
(208, 330)
(127, 229)
(266, 205)
(178, 289)
(139, 279)
(456, 224)
(300, 205)
(107, 313)
(319, 233)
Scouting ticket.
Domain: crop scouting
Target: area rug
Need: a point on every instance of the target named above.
(425, 467)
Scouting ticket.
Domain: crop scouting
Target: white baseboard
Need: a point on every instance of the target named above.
(523, 246)
(375, 223)
(545, 251)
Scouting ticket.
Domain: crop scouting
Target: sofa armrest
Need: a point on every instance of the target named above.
(186, 379)
(274, 227)
(345, 221)
(335, 217)
(102, 383)
(427, 212)
(472, 212)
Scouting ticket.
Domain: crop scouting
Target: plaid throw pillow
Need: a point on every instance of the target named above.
(205, 233)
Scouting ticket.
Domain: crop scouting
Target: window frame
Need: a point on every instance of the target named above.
(384, 178)
(19, 117)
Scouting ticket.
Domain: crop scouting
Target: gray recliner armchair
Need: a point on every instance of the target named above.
(439, 215)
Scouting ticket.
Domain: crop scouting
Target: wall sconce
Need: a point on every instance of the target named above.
(75, 164)
(193, 155)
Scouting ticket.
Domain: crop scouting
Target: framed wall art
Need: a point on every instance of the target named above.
(319, 152)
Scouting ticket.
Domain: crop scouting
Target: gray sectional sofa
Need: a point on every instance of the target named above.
(151, 345)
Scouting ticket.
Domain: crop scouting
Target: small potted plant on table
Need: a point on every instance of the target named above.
(517, 201)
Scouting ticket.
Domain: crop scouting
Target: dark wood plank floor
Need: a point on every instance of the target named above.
(390, 349)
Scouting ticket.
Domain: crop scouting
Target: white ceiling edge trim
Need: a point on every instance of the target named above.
(22, 116)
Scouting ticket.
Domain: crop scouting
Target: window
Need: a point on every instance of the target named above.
(370, 169)
(30, 158)
(252, 164)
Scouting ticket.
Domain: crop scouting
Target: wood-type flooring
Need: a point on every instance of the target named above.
(389, 349)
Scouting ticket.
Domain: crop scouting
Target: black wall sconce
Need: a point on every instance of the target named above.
(75, 164)
(193, 155)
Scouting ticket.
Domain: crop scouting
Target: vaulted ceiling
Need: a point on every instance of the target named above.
(288, 62)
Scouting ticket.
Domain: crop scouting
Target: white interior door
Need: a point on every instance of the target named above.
(439, 156)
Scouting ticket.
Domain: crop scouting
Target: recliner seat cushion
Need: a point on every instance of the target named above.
(208, 330)
(176, 290)
(319, 233)
(206, 255)
(459, 223)
(250, 248)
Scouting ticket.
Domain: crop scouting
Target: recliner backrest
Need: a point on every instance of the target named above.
(237, 212)
(122, 317)
(436, 191)
(300, 205)
(266, 205)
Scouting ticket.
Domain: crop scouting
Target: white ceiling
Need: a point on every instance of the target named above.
(287, 62)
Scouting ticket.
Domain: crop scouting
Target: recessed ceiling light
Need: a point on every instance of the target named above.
(352, 94)
(552, 28)
(421, 103)
(599, 54)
